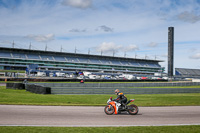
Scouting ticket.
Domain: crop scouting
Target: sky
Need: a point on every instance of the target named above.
(128, 28)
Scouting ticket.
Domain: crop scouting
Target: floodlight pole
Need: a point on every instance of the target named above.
(61, 48)
(30, 46)
(13, 44)
(145, 57)
(46, 48)
(75, 50)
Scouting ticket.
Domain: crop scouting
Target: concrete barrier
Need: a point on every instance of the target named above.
(115, 85)
(109, 90)
(128, 88)
(15, 86)
(38, 89)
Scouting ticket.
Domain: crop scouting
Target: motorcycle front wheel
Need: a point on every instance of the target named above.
(133, 109)
(109, 110)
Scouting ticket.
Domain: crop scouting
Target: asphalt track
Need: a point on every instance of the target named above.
(84, 116)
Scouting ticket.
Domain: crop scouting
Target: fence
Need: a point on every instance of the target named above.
(60, 90)
(120, 85)
(128, 88)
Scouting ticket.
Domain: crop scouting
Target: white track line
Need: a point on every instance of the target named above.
(98, 125)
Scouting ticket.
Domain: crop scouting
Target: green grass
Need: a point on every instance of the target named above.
(21, 97)
(16, 71)
(147, 129)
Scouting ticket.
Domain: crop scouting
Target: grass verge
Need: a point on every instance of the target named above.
(146, 129)
(21, 97)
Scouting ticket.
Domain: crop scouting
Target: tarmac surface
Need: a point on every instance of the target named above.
(87, 116)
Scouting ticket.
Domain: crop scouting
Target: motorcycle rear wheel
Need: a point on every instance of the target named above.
(133, 109)
(109, 110)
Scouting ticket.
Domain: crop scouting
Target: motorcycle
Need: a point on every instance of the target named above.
(117, 108)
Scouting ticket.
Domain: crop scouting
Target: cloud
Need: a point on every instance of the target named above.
(195, 56)
(188, 17)
(105, 28)
(152, 44)
(77, 30)
(130, 48)
(6, 42)
(41, 38)
(108, 47)
(164, 55)
(82, 4)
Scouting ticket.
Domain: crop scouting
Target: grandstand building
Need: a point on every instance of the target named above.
(50, 61)
(186, 72)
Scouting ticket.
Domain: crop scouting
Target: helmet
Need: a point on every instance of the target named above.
(117, 91)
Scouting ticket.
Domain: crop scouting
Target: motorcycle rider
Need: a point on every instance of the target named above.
(121, 98)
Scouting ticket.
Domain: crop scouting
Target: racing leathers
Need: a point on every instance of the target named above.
(121, 98)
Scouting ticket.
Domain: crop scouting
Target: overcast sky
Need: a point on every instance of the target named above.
(131, 28)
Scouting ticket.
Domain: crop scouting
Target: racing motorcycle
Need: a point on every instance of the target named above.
(117, 108)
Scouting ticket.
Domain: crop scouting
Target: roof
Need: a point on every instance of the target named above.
(73, 54)
(187, 71)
